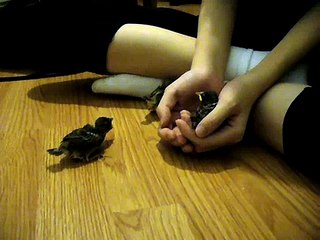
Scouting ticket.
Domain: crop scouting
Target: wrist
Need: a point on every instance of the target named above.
(211, 79)
(257, 81)
(212, 63)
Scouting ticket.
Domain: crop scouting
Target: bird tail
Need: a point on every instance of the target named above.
(55, 151)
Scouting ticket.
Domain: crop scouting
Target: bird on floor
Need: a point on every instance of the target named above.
(84, 143)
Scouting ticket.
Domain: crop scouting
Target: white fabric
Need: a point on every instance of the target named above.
(126, 84)
(240, 61)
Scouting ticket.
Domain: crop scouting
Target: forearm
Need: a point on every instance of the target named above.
(214, 36)
(291, 49)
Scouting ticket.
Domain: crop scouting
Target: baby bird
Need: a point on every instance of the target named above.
(208, 101)
(153, 99)
(84, 143)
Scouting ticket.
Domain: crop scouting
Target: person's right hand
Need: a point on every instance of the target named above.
(180, 95)
(225, 125)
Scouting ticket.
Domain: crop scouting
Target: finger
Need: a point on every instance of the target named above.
(189, 133)
(227, 135)
(213, 120)
(187, 148)
(172, 136)
(223, 137)
(166, 134)
(186, 130)
(230, 133)
(179, 140)
(174, 116)
(186, 116)
(166, 104)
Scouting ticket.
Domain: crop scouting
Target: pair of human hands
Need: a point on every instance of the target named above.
(225, 125)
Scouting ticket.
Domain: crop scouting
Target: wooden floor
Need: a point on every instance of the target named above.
(141, 189)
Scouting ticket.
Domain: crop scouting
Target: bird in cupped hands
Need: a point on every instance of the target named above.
(208, 101)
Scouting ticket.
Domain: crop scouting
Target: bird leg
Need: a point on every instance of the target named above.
(88, 156)
(94, 154)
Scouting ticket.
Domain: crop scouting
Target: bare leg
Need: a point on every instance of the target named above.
(150, 51)
(156, 52)
(270, 110)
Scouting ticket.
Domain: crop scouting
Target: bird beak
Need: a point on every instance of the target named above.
(199, 95)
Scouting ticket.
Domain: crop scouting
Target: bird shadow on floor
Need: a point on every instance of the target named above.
(70, 163)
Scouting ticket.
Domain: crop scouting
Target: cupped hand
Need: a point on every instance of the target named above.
(225, 125)
(181, 95)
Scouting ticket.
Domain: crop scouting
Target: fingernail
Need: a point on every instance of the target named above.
(200, 131)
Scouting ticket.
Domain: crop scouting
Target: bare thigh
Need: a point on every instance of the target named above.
(157, 52)
(270, 110)
(150, 51)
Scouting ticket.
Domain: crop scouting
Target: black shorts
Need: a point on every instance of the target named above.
(67, 37)
(301, 133)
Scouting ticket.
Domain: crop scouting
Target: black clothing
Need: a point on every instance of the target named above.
(301, 133)
(260, 25)
(75, 36)
(55, 35)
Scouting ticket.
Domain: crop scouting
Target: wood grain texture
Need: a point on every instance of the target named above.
(142, 188)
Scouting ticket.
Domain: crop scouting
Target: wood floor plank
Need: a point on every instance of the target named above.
(141, 188)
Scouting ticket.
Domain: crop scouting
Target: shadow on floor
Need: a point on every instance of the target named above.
(248, 157)
(78, 91)
(209, 162)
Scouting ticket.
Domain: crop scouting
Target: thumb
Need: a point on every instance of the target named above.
(164, 115)
(212, 121)
(165, 106)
